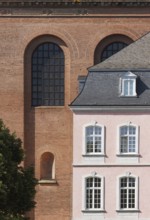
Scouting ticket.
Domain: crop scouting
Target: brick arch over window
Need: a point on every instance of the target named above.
(109, 46)
(47, 166)
(33, 72)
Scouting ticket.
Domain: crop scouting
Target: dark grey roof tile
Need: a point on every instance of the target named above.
(103, 89)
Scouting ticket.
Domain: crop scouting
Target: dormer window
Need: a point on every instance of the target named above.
(128, 84)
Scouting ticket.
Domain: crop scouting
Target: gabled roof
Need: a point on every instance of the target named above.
(103, 84)
(134, 56)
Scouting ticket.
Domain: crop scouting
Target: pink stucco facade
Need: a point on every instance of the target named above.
(111, 166)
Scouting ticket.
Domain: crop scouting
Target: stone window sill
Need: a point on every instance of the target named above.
(127, 210)
(128, 155)
(52, 181)
(93, 211)
(47, 107)
(93, 155)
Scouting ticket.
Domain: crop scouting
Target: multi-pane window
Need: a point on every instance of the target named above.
(128, 87)
(128, 84)
(111, 49)
(128, 192)
(94, 139)
(128, 139)
(48, 75)
(94, 193)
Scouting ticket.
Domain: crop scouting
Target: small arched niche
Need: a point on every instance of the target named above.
(47, 166)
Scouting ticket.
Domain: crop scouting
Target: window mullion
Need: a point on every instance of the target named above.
(128, 87)
(128, 134)
(94, 139)
(127, 143)
(93, 204)
(127, 193)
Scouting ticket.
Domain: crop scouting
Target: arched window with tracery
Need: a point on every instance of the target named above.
(48, 75)
(47, 166)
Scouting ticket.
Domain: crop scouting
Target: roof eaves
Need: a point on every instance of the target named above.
(143, 108)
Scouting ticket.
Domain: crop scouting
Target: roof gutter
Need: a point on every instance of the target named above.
(145, 109)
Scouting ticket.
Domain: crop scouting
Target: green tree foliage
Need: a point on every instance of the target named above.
(17, 184)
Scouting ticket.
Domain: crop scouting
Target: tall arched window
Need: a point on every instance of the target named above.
(109, 46)
(47, 166)
(48, 75)
(111, 49)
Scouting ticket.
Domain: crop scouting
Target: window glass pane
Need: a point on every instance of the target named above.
(97, 198)
(52, 102)
(123, 182)
(89, 144)
(97, 130)
(124, 144)
(131, 182)
(97, 182)
(132, 130)
(124, 130)
(123, 198)
(89, 130)
(131, 144)
(131, 87)
(98, 144)
(126, 87)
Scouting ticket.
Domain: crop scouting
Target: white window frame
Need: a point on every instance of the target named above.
(84, 208)
(84, 152)
(128, 78)
(136, 140)
(136, 208)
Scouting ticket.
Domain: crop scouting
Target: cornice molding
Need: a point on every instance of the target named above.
(73, 3)
(113, 165)
(75, 8)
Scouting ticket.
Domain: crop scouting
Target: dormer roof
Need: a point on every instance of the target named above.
(129, 74)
